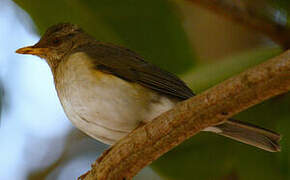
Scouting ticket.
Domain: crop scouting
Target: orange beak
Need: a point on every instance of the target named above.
(32, 50)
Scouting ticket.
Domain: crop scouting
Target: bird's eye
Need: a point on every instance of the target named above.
(56, 41)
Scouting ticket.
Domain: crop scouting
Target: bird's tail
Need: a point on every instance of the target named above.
(248, 134)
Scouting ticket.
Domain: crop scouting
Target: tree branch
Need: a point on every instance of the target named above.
(244, 13)
(128, 156)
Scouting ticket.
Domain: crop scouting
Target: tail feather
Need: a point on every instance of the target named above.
(249, 134)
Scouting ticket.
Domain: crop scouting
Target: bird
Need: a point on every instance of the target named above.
(107, 90)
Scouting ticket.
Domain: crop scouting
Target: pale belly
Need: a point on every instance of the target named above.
(102, 105)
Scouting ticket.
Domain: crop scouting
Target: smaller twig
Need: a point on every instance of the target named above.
(240, 11)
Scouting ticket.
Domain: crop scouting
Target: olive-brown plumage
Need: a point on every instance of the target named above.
(107, 90)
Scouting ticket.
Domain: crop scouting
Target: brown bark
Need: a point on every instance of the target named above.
(128, 156)
(246, 13)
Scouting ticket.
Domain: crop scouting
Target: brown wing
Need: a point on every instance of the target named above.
(127, 65)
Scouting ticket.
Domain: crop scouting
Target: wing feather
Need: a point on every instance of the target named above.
(127, 65)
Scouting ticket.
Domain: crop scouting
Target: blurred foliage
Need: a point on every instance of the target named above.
(153, 29)
(207, 75)
(278, 11)
(282, 5)
(275, 11)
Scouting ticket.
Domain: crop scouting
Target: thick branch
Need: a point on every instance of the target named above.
(244, 13)
(128, 156)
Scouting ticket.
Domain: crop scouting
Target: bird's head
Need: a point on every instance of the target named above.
(56, 42)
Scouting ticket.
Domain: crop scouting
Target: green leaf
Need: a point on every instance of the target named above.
(150, 27)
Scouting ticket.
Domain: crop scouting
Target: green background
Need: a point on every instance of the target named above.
(153, 28)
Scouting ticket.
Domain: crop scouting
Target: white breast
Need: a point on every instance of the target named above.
(102, 105)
